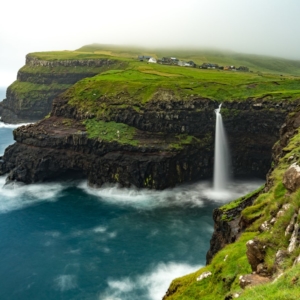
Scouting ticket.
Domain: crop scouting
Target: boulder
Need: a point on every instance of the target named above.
(265, 226)
(291, 226)
(252, 279)
(294, 239)
(291, 178)
(279, 259)
(297, 261)
(204, 275)
(255, 253)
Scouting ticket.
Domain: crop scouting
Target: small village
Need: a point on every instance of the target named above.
(176, 62)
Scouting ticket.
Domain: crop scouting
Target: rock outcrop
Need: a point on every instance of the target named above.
(291, 178)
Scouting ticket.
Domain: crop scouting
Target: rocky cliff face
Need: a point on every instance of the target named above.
(60, 144)
(30, 97)
(229, 224)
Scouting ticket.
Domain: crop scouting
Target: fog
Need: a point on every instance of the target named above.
(268, 27)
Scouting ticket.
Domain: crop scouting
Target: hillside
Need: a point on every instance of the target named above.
(47, 74)
(255, 63)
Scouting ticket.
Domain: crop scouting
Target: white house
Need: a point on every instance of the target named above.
(152, 60)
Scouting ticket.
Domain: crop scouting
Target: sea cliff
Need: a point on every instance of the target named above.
(116, 120)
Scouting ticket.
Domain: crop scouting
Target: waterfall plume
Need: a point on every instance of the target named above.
(222, 157)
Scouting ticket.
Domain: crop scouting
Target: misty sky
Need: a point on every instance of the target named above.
(268, 27)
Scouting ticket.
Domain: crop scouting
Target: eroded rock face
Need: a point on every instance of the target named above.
(291, 178)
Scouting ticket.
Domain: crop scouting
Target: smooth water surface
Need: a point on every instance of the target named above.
(65, 240)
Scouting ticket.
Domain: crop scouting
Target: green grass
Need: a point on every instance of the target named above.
(140, 83)
(124, 134)
(233, 204)
(225, 274)
(111, 131)
(30, 90)
(66, 55)
(62, 70)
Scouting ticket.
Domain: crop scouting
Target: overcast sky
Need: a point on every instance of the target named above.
(270, 27)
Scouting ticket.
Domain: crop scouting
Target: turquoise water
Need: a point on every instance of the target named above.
(64, 240)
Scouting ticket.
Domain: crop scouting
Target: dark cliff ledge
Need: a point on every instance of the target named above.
(255, 247)
(56, 146)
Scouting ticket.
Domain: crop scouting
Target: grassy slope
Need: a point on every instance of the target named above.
(140, 82)
(199, 56)
(226, 274)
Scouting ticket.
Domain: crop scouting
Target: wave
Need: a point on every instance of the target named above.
(194, 195)
(153, 284)
(17, 196)
(6, 125)
(65, 282)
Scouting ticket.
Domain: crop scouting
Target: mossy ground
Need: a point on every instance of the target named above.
(28, 93)
(111, 131)
(128, 135)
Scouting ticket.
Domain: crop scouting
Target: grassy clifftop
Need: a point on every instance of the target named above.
(123, 79)
(140, 82)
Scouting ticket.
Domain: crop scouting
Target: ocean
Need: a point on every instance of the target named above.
(2, 93)
(64, 240)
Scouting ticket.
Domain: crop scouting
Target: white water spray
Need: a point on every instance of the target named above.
(221, 164)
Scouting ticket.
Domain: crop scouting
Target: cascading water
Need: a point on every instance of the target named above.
(222, 158)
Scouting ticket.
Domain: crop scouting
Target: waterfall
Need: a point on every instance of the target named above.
(222, 158)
